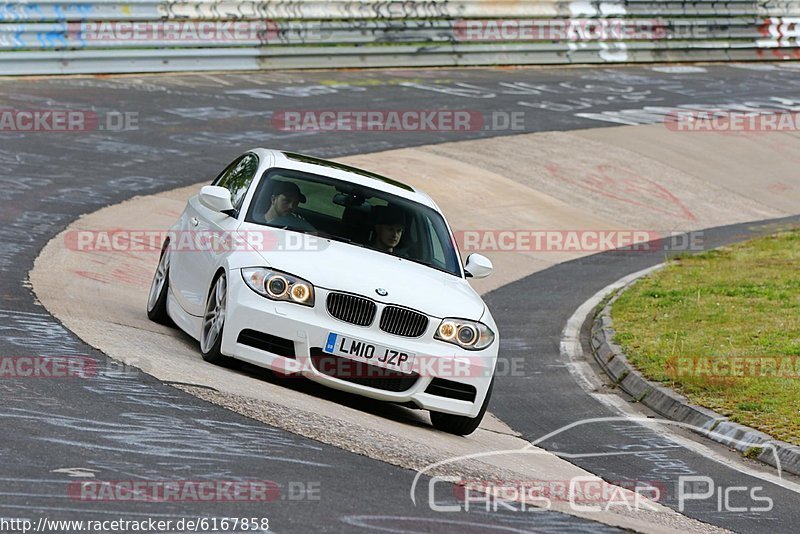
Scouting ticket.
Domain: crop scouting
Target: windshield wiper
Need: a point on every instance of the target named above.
(326, 235)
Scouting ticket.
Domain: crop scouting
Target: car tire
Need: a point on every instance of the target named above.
(461, 425)
(214, 322)
(159, 289)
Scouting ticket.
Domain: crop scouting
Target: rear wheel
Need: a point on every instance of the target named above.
(159, 288)
(460, 424)
(214, 322)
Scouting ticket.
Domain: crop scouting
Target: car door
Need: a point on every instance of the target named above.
(207, 234)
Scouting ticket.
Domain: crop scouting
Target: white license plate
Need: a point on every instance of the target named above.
(364, 351)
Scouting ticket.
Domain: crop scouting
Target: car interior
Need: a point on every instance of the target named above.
(345, 211)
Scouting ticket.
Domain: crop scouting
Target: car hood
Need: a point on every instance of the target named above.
(344, 267)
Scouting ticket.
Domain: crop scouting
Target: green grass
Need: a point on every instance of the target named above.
(737, 302)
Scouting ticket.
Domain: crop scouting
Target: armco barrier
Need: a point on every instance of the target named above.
(104, 36)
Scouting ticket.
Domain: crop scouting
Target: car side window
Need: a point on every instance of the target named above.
(437, 250)
(238, 177)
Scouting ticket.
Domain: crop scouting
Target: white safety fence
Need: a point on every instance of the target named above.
(105, 36)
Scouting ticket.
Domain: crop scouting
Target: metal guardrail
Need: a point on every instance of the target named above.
(105, 36)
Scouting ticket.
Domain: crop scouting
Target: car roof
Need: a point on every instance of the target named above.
(341, 171)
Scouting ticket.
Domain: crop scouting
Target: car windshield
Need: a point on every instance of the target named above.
(354, 214)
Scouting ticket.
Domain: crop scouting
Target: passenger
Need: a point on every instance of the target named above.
(286, 196)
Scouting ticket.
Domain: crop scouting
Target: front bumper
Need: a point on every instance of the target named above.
(307, 329)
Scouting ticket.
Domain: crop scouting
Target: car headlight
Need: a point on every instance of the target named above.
(470, 335)
(276, 285)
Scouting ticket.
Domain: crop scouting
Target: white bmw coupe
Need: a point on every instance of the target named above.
(353, 280)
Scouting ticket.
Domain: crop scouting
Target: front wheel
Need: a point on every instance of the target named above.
(461, 425)
(214, 322)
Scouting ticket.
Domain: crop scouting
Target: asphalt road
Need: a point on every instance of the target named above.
(123, 425)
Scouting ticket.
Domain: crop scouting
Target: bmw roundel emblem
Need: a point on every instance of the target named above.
(382, 292)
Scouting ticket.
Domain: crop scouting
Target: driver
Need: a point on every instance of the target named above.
(285, 198)
(390, 223)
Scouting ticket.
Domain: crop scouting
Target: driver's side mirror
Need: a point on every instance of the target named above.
(216, 198)
(478, 266)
